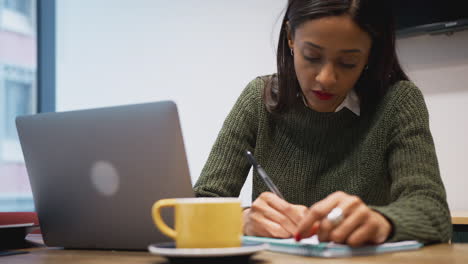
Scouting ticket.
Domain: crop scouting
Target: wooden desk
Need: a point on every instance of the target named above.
(435, 254)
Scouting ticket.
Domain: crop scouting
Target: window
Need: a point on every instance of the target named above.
(18, 102)
(18, 95)
(20, 6)
(18, 16)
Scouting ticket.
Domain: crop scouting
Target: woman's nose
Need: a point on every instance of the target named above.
(327, 76)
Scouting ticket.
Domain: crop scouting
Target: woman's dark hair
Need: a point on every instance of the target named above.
(373, 16)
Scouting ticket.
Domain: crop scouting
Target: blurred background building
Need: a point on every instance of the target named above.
(18, 62)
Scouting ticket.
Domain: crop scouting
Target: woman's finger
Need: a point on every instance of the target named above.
(357, 218)
(363, 234)
(289, 210)
(346, 204)
(263, 205)
(266, 228)
(316, 213)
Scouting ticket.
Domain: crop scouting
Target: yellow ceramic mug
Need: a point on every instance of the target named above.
(202, 222)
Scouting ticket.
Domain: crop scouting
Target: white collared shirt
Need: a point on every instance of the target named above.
(351, 102)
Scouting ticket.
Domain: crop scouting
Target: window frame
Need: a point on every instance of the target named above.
(46, 56)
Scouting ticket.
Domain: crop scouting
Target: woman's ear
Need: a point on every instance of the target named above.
(289, 35)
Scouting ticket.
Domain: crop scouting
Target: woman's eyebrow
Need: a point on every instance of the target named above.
(351, 50)
(322, 48)
(314, 45)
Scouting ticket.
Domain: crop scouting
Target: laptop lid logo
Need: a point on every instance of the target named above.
(105, 178)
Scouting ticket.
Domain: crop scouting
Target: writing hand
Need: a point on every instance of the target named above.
(271, 216)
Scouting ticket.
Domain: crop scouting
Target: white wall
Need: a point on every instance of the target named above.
(200, 54)
(439, 66)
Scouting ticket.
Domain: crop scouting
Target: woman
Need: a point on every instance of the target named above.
(339, 126)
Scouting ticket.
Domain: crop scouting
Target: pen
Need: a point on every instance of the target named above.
(263, 175)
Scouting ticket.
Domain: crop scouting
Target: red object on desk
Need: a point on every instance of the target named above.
(13, 218)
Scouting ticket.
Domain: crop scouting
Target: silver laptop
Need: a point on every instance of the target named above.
(95, 174)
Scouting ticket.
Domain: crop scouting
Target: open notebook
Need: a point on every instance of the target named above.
(312, 247)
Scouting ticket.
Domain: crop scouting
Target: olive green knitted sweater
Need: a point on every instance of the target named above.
(387, 158)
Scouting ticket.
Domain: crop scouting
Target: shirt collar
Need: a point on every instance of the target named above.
(351, 102)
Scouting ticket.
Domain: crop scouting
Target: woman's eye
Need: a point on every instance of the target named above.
(348, 65)
(313, 59)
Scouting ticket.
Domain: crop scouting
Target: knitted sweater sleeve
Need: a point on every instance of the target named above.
(227, 167)
(419, 208)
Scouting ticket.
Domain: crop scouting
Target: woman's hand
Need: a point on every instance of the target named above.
(360, 224)
(271, 216)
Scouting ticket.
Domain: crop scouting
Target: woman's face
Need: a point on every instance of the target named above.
(329, 55)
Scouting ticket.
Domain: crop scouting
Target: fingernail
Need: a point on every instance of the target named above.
(297, 237)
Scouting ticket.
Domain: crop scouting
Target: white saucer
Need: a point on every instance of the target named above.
(169, 250)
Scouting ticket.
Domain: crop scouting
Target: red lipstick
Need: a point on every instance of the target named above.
(323, 95)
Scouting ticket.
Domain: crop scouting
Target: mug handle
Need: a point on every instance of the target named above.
(158, 219)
